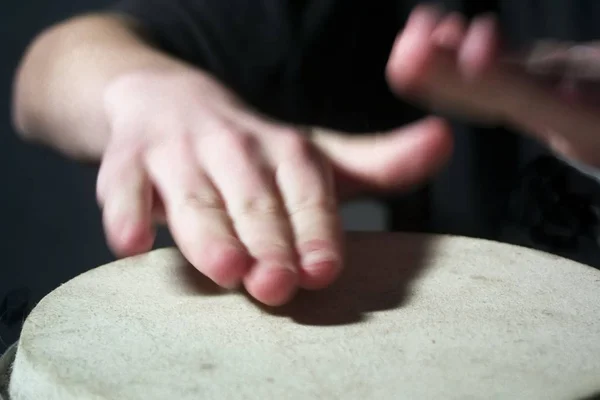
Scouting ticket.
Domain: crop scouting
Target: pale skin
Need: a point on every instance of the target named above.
(443, 63)
(251, 201)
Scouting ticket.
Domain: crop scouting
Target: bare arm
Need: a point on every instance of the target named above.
(60, 84)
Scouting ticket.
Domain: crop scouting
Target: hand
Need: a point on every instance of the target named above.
(248, 200)
(570, 70)
(442, 63)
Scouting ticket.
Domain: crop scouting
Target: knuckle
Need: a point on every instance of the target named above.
(274, 252)
(312, 202)
(200, 201)
(258, 205)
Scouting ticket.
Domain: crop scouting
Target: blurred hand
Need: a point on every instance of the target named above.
(446, 64)
(248, 200)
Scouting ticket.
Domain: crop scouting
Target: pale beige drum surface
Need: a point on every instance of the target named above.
(414, 317)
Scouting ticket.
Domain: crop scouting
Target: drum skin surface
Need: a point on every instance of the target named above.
(412, 317)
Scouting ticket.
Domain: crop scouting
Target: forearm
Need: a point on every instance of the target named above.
(59, 88)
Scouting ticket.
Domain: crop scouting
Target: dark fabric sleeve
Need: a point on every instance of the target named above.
(161, 22)
(314, 62)
(247, 44)
(289, 59)
(234, 39)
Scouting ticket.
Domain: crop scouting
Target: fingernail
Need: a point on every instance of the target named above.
(288, 266)
(277, 265)
(315, 258)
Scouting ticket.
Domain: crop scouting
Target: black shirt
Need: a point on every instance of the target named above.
(321, 62)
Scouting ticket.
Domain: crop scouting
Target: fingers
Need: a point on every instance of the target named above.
(429, 39)
(232, 160)
(476, 45)
(262, 213)
(306, 185)
(395, 160)
(196, 214)
(459, 81)
(240, 211)
(124, 192)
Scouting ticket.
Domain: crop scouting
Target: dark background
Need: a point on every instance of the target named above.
(51, 225)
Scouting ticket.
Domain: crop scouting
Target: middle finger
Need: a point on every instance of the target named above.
(236, 166)
(305, 180)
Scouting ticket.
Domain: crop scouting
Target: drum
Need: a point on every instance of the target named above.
(413, 317)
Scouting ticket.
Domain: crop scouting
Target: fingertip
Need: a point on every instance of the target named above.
(428, 129)
(321, 262)
(425, 147)
(272, 285)
(434, 123)
(130, 239)
(439, 138)
(450, 33)
(226, 264)
(318, 274)
(413, 50)
(402, 157)
(480, 47)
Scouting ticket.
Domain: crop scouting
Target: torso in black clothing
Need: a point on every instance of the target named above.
(321, 62)
(318, 62)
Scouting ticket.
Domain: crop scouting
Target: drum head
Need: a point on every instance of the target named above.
(414, 316)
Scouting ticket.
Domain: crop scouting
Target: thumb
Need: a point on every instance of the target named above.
(388, 161)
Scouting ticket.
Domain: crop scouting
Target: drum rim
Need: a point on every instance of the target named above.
(6, 361)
